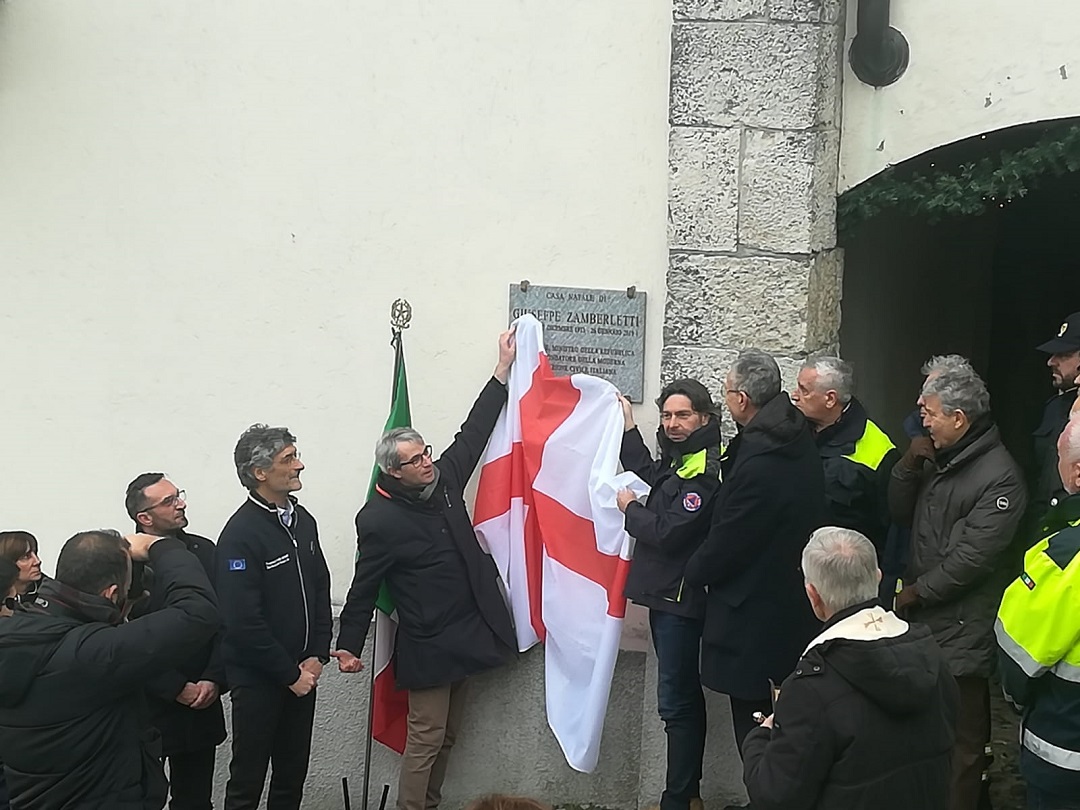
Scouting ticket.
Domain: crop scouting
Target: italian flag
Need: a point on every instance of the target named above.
(389, 705)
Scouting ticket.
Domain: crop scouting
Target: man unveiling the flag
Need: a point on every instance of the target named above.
(669, 527)
(416, 535)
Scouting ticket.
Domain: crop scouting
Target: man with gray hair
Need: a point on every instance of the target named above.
(756, 619)
(274, 589)
(856, 455)
(963, 496)
(416, 535)
(866, 719)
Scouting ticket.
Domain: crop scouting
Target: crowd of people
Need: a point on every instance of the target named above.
(852, 601)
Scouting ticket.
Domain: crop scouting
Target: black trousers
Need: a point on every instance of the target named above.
(972, 735)
(191, 779)
(270, 725)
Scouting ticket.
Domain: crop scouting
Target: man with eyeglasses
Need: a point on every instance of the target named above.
(668, 528)
(416, 535)
(274, 588)
(184, 703)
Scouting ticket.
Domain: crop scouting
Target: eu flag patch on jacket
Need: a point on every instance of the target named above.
(238, 565)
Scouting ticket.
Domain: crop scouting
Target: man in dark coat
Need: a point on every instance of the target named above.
(757, 620)
(73, 723)
(856, 455)
(274, 588)
(1044, 485)
(963, 497)
(415, 534)
(668, 528)
(185, 703)
(866, 719)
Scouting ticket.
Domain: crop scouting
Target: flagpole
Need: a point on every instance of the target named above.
(400, 315)
(370, 715)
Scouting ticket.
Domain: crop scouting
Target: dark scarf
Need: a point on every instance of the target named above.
(979, 427)
(705, 437)
(56, 597)
(419, 496)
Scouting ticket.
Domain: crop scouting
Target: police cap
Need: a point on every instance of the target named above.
(1068, 337)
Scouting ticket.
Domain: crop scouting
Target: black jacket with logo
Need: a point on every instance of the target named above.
(857, 458)
(866, 721)
(757, 619)
(452, 618)
(182, 728)
(675, 518)
(274, 589)
(74, 728)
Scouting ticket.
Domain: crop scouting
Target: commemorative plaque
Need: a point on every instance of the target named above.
(598, 332)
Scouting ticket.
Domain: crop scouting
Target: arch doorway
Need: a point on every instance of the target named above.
(990, 286)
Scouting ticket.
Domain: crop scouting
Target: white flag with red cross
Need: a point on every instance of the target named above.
(546, 511)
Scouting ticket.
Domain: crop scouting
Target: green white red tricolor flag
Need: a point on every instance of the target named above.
(390, 705)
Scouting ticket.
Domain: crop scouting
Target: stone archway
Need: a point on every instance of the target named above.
(990, 286)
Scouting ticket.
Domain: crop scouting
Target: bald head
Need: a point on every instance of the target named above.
(1068, 447)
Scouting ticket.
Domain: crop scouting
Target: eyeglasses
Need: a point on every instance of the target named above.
(290, 459)
(417, 460)
(678, 416)
(168, 500)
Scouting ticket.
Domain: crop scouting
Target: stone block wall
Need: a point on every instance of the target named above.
(754, 110)
(753, 161)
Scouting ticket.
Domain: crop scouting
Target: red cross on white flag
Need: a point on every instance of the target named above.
(545, 509)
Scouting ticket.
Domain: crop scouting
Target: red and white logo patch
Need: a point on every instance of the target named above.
(691, 502)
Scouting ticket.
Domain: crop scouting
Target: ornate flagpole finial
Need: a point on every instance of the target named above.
(400, 314)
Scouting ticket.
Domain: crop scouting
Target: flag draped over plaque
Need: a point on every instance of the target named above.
(545, 508)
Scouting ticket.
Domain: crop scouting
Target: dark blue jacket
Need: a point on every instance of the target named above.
(274, 589)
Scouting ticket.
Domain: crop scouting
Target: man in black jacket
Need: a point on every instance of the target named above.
(668, 528)
(185, 703)
(73, 725)
(856, 455)
(415, 534)
(757, 621)
(274, 588)
(866, 719)
(1043, 482)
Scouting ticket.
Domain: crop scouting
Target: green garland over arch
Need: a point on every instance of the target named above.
(967, 190)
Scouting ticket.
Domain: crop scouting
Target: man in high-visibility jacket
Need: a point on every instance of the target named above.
(856, 454)
(1038, 635)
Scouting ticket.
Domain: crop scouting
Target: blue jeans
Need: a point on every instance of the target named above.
(1041, 800)
(681, 703)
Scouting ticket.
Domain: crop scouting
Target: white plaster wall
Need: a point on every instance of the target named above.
(206, 209)
(976, 66)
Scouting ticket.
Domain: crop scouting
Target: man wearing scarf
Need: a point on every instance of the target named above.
(416, 535)
(668, 528)
(963, 496)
